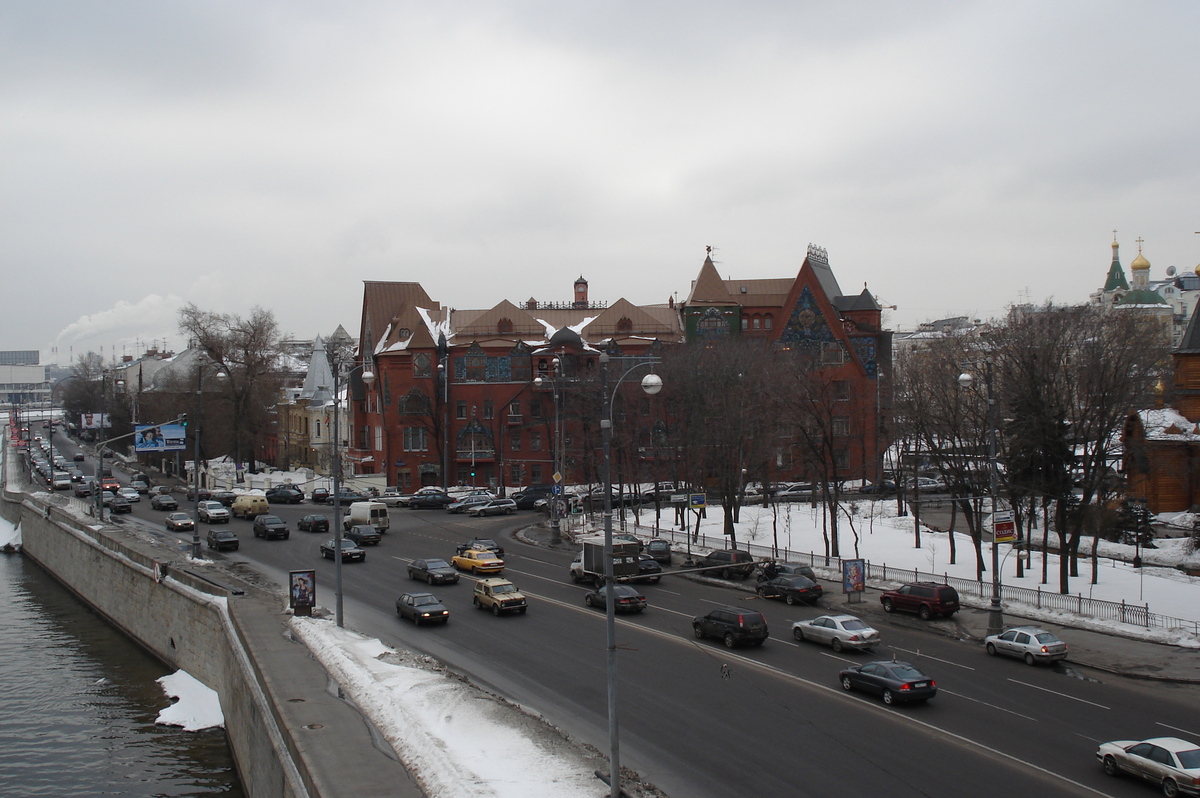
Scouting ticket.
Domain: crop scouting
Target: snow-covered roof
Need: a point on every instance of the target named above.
(1167, 424)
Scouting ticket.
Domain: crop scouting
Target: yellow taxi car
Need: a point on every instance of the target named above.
(477, 562)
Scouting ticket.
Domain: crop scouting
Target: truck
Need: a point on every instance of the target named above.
(371, 513)
(589, 563)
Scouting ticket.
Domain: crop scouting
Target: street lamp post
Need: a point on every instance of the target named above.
(556, 460)
(196, 460)
(651, 384)
(995, 611)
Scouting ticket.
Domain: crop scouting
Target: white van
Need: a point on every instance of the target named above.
(61, 480)
(373, 513)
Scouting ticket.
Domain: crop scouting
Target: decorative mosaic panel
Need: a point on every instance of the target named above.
(865, 349)
(806, 325)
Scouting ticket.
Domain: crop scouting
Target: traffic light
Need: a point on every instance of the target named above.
(183, 419)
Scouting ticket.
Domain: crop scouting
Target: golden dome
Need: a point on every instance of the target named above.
(1197, 269)
(1140, 262)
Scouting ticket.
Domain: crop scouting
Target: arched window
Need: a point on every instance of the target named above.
(757, 322)
(476, 362)
(767, 319)
(504, 326)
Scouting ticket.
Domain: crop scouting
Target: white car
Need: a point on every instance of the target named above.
(130, 494)
(1169, 762)
(1027, 642)
(213, 512)
(839, 631)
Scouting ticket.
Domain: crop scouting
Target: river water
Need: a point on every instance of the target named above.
(79, 704)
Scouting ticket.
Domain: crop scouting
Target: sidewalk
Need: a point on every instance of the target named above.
(1110, 653)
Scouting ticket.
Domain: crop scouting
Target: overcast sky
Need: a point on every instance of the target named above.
(956, 157)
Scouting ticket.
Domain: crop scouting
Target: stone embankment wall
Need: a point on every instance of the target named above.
(293, 735)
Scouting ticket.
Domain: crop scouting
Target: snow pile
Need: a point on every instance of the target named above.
(196, 707)
(10, 535)
(453, 738)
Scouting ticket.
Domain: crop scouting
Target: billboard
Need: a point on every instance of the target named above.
(94, 421)
(161, 438)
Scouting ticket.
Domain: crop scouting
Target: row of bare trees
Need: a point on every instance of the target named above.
(1064, 378)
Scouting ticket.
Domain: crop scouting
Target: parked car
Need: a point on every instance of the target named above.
(791, 589)
(659, 550)
(477, 562)
(1171, 763)
(927, 599)
(526, 499)
(625, 537)
(482, 544)
(391, 497)
(648, 570)
(163, 501)
(350, 550)
(205, 494)
(1027, 642)
(435, 572)
(313, 523)
(285, 494)
(500, 596)
(883, 487)
(222, 539)
(493, 507)
(895, 681)
(422, 608)
(732, 625)
(839, 631)
(626, 598)
(363, 535)
(794, 569)
(178, 522)
(319, 495)
(212, 512)
(118, 503)
(734, 562)
(429, 501)
(347, 496)
(270, 527)
(467, 502)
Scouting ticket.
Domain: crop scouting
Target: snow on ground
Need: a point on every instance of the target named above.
(196, 707)
(882, 538)
(455, 739)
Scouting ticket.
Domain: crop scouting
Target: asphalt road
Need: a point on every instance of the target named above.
(700, 720)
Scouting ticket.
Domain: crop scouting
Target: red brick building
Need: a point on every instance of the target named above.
(456, 398)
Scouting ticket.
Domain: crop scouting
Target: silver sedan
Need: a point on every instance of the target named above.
(839, 631)
(1027, 642)
(1170, 763)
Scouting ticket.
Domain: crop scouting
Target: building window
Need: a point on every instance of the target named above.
(504, 326)
(841, 390)
(416, 439)
(767, 320)
(476, 367)
(535, 474)
(624, 325)
(518, 475)
(514, 439)
(745, 322)
(421, 363)
(758, 322)
(535, 408)
(841, 427)
(460, 410)
(318, 423)
(535, 440)
(842, 460)
(404, 480)
(514, 408)
(832, 353)
(489, 409)
(414, 403)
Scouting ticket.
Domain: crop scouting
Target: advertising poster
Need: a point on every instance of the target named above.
(854, 576)
(94, 421)
(162, 438)
(302, 591)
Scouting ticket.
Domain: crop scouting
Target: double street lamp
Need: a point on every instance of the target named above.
(556, 460)
(651, 384)
(995, 611)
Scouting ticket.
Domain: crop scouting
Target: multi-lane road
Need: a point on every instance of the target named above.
(700, 720)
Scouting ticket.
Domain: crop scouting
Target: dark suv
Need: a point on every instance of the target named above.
(270, 526)
(732, 625)
(740, 563)
(527, 499)
(927, 599)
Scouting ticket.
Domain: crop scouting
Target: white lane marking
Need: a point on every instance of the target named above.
(985, 703)
(1055, 692)
(839, 659)
(935, 659)
(1188, 732)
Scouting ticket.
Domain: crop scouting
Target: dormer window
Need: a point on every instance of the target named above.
(504, 326)
(625, 325)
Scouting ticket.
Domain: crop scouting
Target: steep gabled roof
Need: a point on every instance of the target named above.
(641, 322)
(382, 301)
(485, 324)
(709, 288)
(318, 380)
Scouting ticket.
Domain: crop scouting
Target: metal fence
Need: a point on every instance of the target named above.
(1098, 609)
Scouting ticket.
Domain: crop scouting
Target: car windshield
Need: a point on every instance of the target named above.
(906, 672)
(1189, 759)
(854, 624)
(436, 564)
(422, 601)
(272, 519)
(504, 589)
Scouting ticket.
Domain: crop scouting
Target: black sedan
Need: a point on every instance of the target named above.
(626, 598)
(222, 539)
(164, 501)
(422, 608)
(313, 523)
(894, 680)
(648, 569)
(435, 572)
(350, 550)
(225, 497)
(482, 544)
(285, 496)
(363, 535)
(429, 501)
(791, 589)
